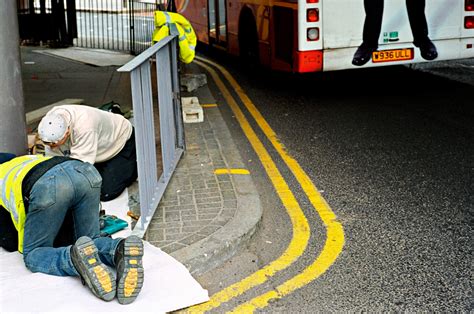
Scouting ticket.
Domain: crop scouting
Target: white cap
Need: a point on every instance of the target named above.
(52, 128)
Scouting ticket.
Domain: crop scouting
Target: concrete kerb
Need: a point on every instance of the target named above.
(220, 246)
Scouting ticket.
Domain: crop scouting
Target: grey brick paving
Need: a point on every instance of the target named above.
(197, 202)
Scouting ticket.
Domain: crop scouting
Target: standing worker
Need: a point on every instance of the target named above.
(38, 195)
(101, 138)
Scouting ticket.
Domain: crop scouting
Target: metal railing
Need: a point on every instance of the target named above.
(122, 25)
(151, 183)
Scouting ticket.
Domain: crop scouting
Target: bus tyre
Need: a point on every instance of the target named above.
(248, 39)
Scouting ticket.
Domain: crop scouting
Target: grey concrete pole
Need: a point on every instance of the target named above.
(12, 107)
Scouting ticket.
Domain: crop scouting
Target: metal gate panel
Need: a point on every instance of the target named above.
(151, 186)
(121, 25)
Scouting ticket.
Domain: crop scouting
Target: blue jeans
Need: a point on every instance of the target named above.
(72, 187)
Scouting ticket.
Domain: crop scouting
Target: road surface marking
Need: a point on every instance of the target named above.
(231, 171)
(301, 230)
(209, 105)
(334, 230)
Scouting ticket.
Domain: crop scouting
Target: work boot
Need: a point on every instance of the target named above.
(98, 277)
(128, 262)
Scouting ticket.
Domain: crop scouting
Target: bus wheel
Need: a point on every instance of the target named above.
(248, 38)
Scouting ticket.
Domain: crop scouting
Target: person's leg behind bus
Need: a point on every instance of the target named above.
(419, 28)
(371, 32)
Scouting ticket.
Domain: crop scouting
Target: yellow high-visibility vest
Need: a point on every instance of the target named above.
(187, 37)
(12, 174)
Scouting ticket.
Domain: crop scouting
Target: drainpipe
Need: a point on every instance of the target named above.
(12, 108)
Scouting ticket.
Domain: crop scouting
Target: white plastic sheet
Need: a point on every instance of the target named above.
(168, 285)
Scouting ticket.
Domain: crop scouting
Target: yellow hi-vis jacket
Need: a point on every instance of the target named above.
(187, 37)
(12, 174)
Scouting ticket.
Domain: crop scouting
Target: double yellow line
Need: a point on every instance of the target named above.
(301, 231)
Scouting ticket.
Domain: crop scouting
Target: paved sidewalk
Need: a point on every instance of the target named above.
(203, 217)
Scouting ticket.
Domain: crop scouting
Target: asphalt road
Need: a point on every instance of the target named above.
(391, 151)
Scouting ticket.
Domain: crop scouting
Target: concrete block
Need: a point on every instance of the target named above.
(192, 111)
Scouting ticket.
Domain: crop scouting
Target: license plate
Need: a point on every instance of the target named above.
(392, 55)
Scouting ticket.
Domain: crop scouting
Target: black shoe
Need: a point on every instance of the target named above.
(98, 277)
(130, 276)
(427, 49)
(363, 54)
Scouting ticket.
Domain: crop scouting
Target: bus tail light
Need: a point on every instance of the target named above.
(313, 34)
(312, 15)
(316, 1)
(469, 5)
(469, 22)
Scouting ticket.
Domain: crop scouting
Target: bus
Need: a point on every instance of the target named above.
(327, 35)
